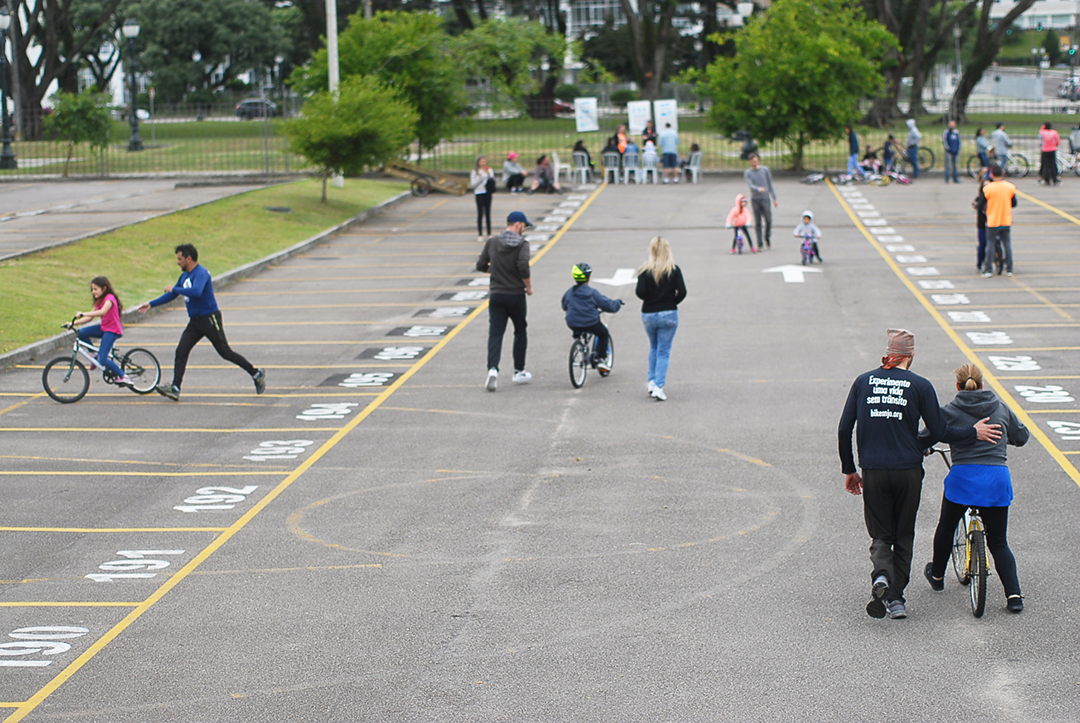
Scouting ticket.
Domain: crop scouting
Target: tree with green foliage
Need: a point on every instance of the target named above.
(509, 53)
(798, 73)
(78, 118)
(409, 52)
(363, 125)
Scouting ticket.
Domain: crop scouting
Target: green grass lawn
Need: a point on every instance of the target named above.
(43, 290)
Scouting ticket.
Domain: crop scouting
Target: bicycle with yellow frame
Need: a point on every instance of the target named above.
(969, 553)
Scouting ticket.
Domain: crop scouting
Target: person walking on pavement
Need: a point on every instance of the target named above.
(669, 153)
(885, 405)
(506, 258)
(979, 204)
(1000, 140)
(913, 138)
(661, 289)
(982, 149)
(204, 321)
(951, 140)
(979, 477)
(853, 167)
(482, 181)
(1000, 201)
(759, 179)
(1048, 171)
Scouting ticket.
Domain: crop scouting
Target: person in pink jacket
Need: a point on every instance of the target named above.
(738, 218)
(1048, 173)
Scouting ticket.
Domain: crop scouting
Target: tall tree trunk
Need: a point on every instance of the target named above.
(649, 34)
(988, 44)
(461, 12)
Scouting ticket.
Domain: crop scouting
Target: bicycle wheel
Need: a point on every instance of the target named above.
(974, 165)
(65, 380)
(579, 363)
(978, 573)
(959, 554)
(926, 159)
(1017, 167)
(143, 369)
(610, 357)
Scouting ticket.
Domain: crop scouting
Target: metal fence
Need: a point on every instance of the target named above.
(214, 139)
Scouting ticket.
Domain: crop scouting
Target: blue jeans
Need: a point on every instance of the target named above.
(999, 237)
(984, 159)
(950, 162)
(660, 327)
(913, 158)
(853, 165)
(108, 338)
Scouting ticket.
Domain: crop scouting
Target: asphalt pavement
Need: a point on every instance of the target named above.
(37, 215)
(377, 537)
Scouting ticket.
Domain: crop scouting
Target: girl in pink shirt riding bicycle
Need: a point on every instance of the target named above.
(107, 307)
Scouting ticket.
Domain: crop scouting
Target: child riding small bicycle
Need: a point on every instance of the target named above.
(738, 218)
(583, 305)
(107, 308)
(809, 233)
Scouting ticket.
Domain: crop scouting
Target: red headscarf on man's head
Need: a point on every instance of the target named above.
(900, 345)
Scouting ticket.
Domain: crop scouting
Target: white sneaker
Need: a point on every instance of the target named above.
(1008, 273)
(522, 377)
(650, 386)
(480, 239)
(658, 394)
(492, 380)
(667, 180)
(676, 179)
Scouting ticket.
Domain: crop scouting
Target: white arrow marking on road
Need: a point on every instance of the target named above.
(621, 277)
(792, 274)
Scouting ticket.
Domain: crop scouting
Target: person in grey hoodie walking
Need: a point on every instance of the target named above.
(759, 180)
(913, 138)
(506, 258)
(1002, 144)
(979, 478)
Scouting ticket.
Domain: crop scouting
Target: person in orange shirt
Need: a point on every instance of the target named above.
(1000, 200)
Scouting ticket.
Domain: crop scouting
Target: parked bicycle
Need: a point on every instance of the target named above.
(66, 379)
(926, 160)
(1017, 165)
(583, 357)
(969, 553)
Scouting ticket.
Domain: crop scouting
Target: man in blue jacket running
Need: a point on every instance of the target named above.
(204, 320)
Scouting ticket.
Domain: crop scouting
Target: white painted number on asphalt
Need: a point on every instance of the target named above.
(366, 379)
(1066, 430)
(936, 284)
(38, 640)
(216, 498)
(899, 248)
(969, 317)
(449, 312)
(332, 410)
(923, 271)
(279, 449)
(1014, 363)
(913, 259)
(134, 560)
(987, 338)
(469, 296)
(480, 281)
(950, 299)
(399, 353)
(1044, 395)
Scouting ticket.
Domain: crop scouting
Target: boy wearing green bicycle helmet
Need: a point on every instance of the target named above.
(583, 305)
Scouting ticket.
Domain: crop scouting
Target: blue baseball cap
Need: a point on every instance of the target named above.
(518, 217)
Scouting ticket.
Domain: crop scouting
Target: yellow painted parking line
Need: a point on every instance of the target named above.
(1041, 376)
(1052, 209)
(1054, 411)
(347, 290)
(340, 434)
(1001, 350)
(298, 322)
(11, 705)
(5, 410)
(90, 530)
(171, 430)
(68, 604)
(370, 305)
(122, 461)
(1065, 464)
(119, 473)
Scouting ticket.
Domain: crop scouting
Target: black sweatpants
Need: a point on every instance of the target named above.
(601, 333)
(996, 520)
(890, 505)
(210, 327)
(501, 308)
(483, 209)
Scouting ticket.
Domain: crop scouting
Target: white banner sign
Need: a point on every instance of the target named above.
(640, 112)
(586, 115)
(665, 111)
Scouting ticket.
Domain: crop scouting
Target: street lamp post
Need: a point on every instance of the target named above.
(7, 156)
(131, 31)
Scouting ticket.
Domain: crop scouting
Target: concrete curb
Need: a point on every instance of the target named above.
(46, 346)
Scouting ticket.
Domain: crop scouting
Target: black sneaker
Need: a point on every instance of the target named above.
(936, 584)
(876, 608)
(259, 377)
(881, 586)
(168, 390)
(1015, 603)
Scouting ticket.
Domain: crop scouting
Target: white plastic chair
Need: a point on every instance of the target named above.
(581, 166)
(695, 165)
(611, 167)
(650, 165)
(630, 166)
(559, 167)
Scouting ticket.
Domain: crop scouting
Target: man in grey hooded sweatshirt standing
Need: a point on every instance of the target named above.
(506, 257)
(913, 138)
(759, 179)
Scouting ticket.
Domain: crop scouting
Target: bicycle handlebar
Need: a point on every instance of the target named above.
(943, 455)
(71, 324)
